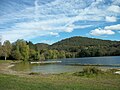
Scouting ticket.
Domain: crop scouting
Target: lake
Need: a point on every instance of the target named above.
(69, 65)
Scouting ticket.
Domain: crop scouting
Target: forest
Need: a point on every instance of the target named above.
(73, 47)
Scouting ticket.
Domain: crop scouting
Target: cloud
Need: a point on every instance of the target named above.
(99, 32)
(54, 34)
(108, 30)
(114, 8)
(69, 28)
(111, 19)
(113, 27)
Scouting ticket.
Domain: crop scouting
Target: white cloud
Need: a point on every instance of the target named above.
(111, 19)
(99, 32)
(54, 17)
(108, 30)
(69, 28)
(113, 27)
(13, 35)
(114, 8)
(54, 34)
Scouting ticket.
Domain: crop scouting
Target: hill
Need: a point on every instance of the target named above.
(84, 46)
(78, 41)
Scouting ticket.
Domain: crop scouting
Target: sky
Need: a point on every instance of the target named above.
(49, 21)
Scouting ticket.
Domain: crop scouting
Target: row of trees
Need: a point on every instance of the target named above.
(17, 50)
(22, 50)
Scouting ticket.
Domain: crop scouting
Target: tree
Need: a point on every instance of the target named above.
(37, 56)
(42, 57)
(32, 54)
(22, 49)
(16, 54)
(68, 55)
(83, 53)
(25, 51)
(6, 49)
(55, 54)
(61, 54)
(31, 45)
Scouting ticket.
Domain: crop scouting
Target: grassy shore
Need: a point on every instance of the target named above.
(58, 82)
(65, 81)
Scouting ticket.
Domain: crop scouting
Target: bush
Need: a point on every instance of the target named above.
(91, 70)
(88, 71)
(33, 73)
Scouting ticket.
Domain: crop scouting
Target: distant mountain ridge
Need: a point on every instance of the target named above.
(78, 41)
(84, 40)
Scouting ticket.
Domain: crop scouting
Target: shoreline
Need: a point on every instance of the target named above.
(5, 68)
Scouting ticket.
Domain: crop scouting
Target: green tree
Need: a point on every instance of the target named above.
(55, 54)
(22, 49)
(16, 54)
(68, 55)
(61, 54)
(42, 57)
(6, 49)
(32, 54)
(37, 56)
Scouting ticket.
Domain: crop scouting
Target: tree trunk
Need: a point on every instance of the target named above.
(5, 57)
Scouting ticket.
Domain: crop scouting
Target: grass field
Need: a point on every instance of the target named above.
(59, 82)
(66, 81)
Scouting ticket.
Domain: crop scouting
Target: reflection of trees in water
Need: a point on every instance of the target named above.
(23, 66)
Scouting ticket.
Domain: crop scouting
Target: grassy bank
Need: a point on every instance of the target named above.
(65, 81)
(59, 82)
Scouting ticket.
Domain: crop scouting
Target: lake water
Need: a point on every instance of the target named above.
(68, 65)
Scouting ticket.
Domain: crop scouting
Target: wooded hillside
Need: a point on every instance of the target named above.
(73, 47)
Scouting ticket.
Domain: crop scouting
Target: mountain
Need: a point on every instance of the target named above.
(78, 41)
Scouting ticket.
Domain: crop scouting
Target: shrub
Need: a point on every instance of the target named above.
(33, 73)
(88, 71)
(91, 70)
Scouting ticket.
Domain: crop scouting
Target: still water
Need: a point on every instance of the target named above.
(68, 65)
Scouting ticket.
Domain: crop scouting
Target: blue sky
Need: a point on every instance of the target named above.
(48, 21)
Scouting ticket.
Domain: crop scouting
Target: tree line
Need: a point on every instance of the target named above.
(74, 47)
(22, 50)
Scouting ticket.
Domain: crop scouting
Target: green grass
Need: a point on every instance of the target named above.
(59, 82)
(5, 61)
